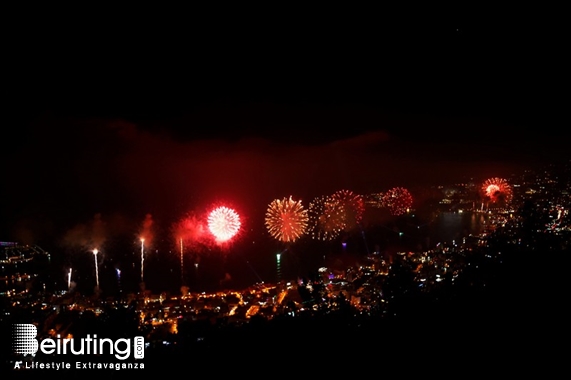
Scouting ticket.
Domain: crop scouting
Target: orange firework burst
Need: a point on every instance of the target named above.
(325, 219)
(398, 200)
(286, 219)
(351, 207)
(224, 223)
(497, 190)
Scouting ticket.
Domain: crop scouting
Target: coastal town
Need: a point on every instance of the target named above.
(371, 288)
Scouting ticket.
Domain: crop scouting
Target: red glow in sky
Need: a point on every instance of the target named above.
(191, 230)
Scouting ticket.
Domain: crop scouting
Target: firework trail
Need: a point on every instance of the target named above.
(87, 236)
(95, 252)
(146, 236)
(142, 258)
(190, 232)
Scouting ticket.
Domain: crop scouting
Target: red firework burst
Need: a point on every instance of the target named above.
(224, 223)
(325, 220)
(351, 206)
(497, 190)
(398, 200)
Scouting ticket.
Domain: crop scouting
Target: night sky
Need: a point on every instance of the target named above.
(113, 117)
(130, 118)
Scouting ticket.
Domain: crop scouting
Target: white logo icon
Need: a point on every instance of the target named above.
(24, 338)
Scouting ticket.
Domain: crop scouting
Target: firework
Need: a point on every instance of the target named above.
(95, 252)
(286, 219)
(181, 261)
(69, 279)
(224, 223)
(325, 221)
(497, 190)
(398, 200)
(374, 200)
(146, 235)
(142, 257)
(188, 233)
(279, 266)
(350, 206)
(118, 272)
(191, 230)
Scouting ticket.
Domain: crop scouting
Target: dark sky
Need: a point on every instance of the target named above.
(126, 118)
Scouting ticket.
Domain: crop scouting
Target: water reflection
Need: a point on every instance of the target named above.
(449, 226)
